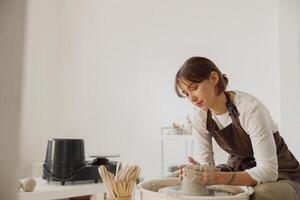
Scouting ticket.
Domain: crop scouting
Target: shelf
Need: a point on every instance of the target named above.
(177, 137)
(188, 141)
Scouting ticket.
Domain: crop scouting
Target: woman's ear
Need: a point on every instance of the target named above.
(214, 78)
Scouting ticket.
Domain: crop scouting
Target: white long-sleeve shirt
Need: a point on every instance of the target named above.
(256, 120)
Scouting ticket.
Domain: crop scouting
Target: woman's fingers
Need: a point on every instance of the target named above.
(192, 161)
(181, 166)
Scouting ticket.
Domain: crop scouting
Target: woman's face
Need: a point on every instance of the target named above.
(200, 94)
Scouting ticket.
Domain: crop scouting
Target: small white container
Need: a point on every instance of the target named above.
(175, 131)
(171, 131)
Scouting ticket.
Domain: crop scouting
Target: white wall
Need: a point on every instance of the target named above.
(11, 61)
(104, 70)
(289, 46)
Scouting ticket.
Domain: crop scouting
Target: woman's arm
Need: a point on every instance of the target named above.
(203, 140)
(259, 127)
(234, 178)
(209, 176)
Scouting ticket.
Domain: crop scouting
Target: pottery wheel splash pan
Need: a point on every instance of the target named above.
(170, 189)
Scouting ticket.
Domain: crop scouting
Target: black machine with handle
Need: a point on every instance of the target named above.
(65, 162)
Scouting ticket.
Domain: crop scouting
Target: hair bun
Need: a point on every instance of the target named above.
(225, 79)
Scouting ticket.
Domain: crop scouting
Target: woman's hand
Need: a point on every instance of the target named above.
(181, 167)
(192, 161)
(201, 174)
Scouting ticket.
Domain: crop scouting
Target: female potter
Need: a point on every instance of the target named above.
(243, 127)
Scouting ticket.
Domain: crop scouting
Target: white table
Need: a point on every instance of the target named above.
(54, 190)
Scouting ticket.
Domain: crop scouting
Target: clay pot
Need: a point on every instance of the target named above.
(190, 187)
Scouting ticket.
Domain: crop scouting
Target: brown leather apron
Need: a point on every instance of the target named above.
(236, 142)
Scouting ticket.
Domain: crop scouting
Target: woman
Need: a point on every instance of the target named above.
(243, 127)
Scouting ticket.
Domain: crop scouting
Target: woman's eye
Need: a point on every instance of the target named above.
(193, 88)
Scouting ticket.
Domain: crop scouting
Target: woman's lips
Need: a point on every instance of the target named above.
(200, 103)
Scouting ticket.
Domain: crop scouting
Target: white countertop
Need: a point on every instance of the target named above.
(54, 190)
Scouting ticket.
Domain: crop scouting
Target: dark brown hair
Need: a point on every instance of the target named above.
(198, 69)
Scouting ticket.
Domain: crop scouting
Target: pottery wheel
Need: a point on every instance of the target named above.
(176, 191)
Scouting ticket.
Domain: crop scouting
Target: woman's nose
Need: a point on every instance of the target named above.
(193, 98)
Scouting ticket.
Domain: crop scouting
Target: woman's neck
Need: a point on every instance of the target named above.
(219, 105)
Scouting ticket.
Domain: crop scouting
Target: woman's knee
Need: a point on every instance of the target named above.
(262, 192)
(277, 190)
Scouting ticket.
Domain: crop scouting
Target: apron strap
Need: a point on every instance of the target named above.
(209, 122)
(233, 111)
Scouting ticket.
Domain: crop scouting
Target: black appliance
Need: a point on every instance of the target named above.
(65, 162)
